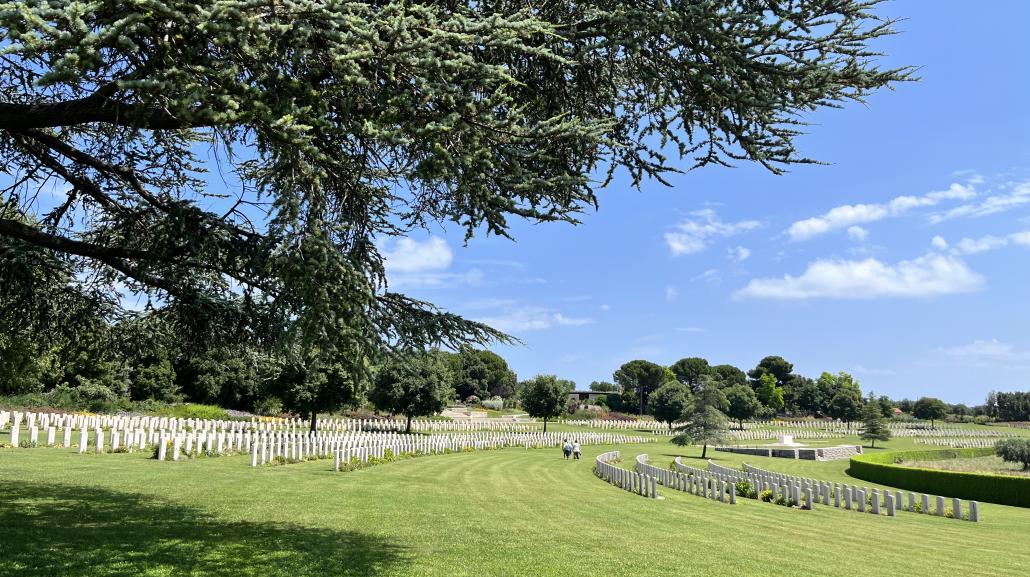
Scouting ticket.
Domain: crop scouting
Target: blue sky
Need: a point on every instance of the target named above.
(903, 262)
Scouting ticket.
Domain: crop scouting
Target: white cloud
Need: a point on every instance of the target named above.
(1021, 238)
(689, 330)
(984, 244)
(1015, 196)
(531, 318)
(710, 276)
(435, 279)
(407, 255)
(872, 372)
(512, 264)
(979, 348)
(939, 243)
(991, 242)
(693, 234)
(848, 215)
(738, 254)
(58, 189)
(606, 307)
(671, 293)
(857, 233)
(928, 275)
(991, 353)
(488, 303)
(565, 321)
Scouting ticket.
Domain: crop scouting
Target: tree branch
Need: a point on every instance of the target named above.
(22, 231)
(97, 107)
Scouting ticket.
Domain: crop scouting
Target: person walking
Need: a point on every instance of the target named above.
(576, 449)
(567, 449)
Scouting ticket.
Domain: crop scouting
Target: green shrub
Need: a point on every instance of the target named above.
(192, 411)
(766, 496)
(1014, 450)
(157, 449)
(496, 403)
(270, 406)
(781, 500)
(745, 489)
(888, 469)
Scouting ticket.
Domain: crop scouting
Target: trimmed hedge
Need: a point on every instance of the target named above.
(885, 469)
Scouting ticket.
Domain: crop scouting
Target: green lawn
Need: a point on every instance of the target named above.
(991, 464)
(509, 512)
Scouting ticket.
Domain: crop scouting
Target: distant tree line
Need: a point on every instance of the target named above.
(55, 339)
(1013, 406)
(772, 388)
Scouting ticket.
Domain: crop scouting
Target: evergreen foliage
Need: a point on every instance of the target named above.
(874, 429)
(339, 124)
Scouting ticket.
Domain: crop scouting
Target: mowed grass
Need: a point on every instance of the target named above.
(505, 512)
(989, 464)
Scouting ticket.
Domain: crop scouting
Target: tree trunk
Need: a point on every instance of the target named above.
(545, 424)
(704, 450)
(314, 421)
(407, 430)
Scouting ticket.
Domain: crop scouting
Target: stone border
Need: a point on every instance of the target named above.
(838, 453)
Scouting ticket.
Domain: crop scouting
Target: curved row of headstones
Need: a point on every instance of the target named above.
(645, 424)
(753, 430)
(763, 434)
(958, 443)
(900, 429)
(44, 420)
(690, 480)
(265, 446)
(345, 447)
(813, 433)
(632, 481)
(942, 431)
(852, 497)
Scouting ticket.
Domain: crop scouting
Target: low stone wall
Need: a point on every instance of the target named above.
(811, 454)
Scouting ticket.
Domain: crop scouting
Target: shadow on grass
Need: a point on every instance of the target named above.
(61, 530)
